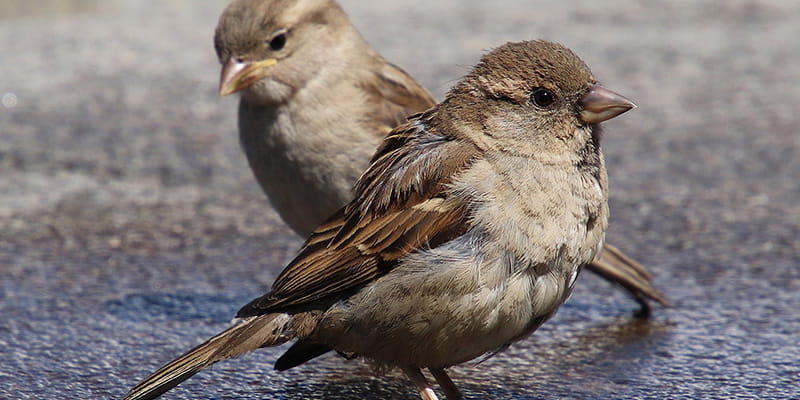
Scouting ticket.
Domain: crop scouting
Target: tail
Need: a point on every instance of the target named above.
(616, 267)
(247, 335)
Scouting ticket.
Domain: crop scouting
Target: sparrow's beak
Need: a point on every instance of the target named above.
(601, 104)
(239, 75)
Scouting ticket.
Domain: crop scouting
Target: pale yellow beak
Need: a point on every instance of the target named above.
(240, 75)
(601, 104)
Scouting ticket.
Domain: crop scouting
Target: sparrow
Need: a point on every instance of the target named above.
(467, 231)
(316, 102)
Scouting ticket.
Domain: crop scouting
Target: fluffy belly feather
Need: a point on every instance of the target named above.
(468, 307)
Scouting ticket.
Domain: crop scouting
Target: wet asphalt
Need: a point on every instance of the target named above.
(131, 228)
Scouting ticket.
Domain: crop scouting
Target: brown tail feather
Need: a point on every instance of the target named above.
(247, 335)
(616, 267)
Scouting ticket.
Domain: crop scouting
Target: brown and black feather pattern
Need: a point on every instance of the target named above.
(401, 205)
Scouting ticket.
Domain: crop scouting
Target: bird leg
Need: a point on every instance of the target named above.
(421, 383)
(450, 389)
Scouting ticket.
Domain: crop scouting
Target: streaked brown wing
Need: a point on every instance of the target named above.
(395, 94)
(365, 239)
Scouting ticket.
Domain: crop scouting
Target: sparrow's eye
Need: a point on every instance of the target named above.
(278, 41)
(542, 97)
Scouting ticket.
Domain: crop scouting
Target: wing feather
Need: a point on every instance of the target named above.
(407, 189)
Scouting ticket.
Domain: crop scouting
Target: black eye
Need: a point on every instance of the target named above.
(278, 41)
(542, 97)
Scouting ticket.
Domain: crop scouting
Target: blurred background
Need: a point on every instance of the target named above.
(131, 227)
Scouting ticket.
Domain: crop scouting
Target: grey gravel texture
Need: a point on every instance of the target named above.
(131, 228)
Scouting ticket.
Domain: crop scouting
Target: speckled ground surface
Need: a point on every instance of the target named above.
(131, 229)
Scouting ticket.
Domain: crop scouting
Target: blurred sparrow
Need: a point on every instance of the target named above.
(316, 101)
(467, 231)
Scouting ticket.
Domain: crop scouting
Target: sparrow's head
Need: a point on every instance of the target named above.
(539, 90)
(271, 48)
